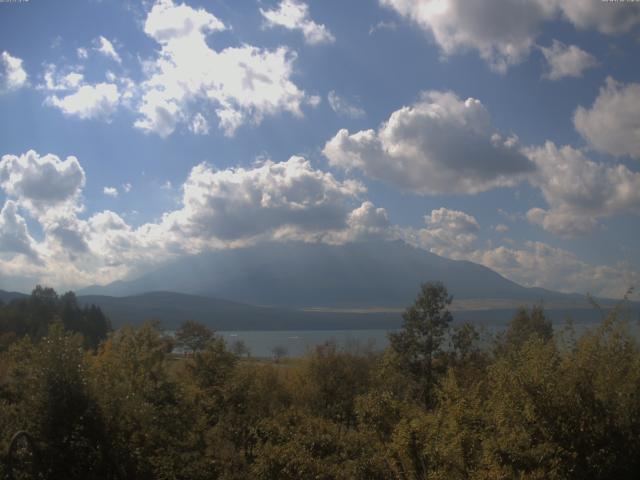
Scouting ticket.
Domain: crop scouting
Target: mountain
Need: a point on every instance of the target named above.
(294, 275)
(6, 297)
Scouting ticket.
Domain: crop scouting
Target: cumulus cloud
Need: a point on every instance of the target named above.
(110, 191)
(449, 233)
(12, 74)
(606, 17)
(106, 48)
(365, 222)
(537, 264)
(239, 203)
(454, 234)
(504, 31)
(68, 233)
(342, 107)
(217, 209)
(242, 84)
(199, 124)
(288, 200)
(294, 15)
(70, 81)
(566, 60)
(42, 183)
(441, 144)
(14, 236)
(612, 124)
(579, 190)
(88, 101)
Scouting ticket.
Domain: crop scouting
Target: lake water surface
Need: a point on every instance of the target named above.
(298, 342)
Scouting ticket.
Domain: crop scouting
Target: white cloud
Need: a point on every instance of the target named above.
(606, 17)
(453, 234)
(42, 184)
(538, 264)
(12, 74)
(238, 203)
(504, 31)
(68, 91)
(110, 191)
(294, 15)
(14, 236)
(342, 107)
(243, 84)
(449, 233)
(88, 101)
(228, 208)
(382, 25)
(167, 22)
(199, 124)
(82, 53)
(612, 124)
(106, 48)
(579, 190)
(218, 209)
(566, 60)
(501, 228)
(441, 144)
(67, 235)
(55, 81)
(127, 187)
(366, 221)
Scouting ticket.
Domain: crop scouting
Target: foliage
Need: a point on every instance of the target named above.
(32, 317)
(418, 345)
(193, 337)
(435, 405)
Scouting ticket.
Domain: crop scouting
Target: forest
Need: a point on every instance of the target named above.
(441, 402)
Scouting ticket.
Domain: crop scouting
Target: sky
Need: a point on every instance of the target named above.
(502, 132)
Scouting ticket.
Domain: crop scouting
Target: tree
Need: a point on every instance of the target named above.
(47, 395)
(240, 349)
(419, 343)
(330, 379)
(278, 352)
(193, 336)
(523, 327)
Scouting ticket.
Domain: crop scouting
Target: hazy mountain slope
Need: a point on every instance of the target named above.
(297, 274)
(6, 297)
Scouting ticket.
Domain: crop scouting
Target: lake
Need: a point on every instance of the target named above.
(298, 342)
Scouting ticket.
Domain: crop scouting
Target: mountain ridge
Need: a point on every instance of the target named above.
(360, 274)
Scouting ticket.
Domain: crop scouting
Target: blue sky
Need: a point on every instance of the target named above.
(503, 132)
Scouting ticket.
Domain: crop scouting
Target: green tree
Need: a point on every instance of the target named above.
(46, 394)
(240, 348)
(279, 352)
(418, 346)
(150, 421)
(193, 336)
(523, 327)
(331, 379)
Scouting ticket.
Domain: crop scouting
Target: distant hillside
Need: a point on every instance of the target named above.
(174, 308)
(383, 274)
(171, 309)
(6, 297)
